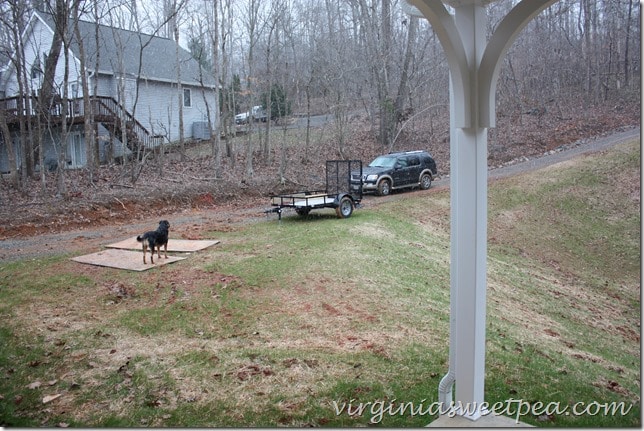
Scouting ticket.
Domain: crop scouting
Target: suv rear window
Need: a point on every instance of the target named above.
(413, 161)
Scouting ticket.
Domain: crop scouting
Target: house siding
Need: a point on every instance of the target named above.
(38, 43)
(156, 108)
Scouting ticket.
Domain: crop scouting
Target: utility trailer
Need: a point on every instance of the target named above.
(343, 192)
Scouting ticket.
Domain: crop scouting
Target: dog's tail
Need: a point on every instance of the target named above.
(140, 238)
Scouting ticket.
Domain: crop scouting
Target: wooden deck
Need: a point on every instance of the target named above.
(104, 110)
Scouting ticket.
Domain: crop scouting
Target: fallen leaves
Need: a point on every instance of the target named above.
(119, 291)
(34, 385)
(37, 384)
(248, 371)
(49, 398)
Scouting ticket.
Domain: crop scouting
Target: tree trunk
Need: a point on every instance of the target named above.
(253, 13)
(11, 154)
(47, 91)
(387, 110)
(216, 139)
(588, 57)
(626, 44)
(62, 151)
(269, 72)
(109, 155)
(307, 141)
(399, 105)
(227, 119)
(21, 105)
(182, 143)
(88, 117)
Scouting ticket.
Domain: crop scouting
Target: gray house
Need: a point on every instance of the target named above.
(137, 91)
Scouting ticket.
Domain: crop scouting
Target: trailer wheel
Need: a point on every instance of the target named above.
(345, 208)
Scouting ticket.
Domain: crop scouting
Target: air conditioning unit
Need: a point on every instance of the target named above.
(200, 130)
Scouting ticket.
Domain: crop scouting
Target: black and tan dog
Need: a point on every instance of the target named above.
(155, 239)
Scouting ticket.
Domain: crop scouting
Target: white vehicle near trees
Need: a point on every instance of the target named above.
(257, 113)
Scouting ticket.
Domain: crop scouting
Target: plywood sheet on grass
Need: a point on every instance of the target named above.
(124, 259)
(179, 245)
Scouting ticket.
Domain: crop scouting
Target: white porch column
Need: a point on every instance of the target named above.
(468, 177)
(474, 64)
(469, 265)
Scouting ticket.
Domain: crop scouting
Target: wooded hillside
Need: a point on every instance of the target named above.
(379, 74)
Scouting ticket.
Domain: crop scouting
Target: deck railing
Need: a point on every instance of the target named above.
(105, 110)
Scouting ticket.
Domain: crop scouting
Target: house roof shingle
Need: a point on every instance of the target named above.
(120, 52)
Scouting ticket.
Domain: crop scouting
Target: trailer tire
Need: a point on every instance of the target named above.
(345, 207)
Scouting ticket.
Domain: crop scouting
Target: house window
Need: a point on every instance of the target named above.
(35, 71)
(73, 89)
(35, 68)
(187, 98)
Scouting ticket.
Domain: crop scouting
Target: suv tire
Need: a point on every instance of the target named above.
(425, 181)
(384, 187)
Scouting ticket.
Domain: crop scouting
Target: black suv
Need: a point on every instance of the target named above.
(399, 170)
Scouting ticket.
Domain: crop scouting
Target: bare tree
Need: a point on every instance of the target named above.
(88, 114)
(272, 57)
(216, 71)
(47, 93)
(172, 21)
(627, 65)
(228, 108)
(252, 27)
(11, 36)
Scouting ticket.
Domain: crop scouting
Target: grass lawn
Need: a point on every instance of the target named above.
(343, 322)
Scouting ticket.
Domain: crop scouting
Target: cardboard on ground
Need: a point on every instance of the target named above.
(125, 259)
(179, 245)
(121, 254)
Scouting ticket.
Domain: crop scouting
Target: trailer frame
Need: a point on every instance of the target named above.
(343, 192)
